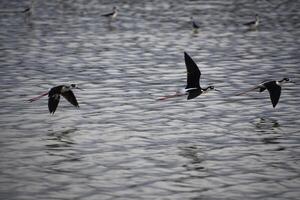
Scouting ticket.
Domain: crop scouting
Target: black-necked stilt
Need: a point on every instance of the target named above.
(194, 25)
(112, 14)
(26, 10)
(54, 96)
(192, 89)
(274, 88)
(253, 24)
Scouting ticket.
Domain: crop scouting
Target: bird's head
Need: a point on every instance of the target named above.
(286, 80)
(74, 86)
(211, 87)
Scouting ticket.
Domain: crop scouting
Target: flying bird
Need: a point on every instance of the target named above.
(54, 96)
(193, 88)
(274, 88)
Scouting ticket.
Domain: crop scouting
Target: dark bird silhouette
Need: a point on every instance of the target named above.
(274, 88)
(26, 10)
(54, 96)
(253, 24)
(195, 25)
(112, 14)
(193, 88)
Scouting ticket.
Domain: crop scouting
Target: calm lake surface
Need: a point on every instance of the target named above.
(124, 144)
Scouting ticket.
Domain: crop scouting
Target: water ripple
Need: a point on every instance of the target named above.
(124, 144)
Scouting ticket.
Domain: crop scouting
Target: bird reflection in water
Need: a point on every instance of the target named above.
(267, 124)
(270, 130)
(195, 155)
(61, 148)
(60, 138)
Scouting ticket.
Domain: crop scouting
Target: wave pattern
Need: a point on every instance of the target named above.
(122, 143)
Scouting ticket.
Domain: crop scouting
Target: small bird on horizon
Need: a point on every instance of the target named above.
(26, 10)
(253, 24)
(54, 96)
(193, 88)
(195, 25)
(112, 14)
(274, 88)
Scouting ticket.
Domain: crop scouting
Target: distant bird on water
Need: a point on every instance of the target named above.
(253, 24)
(28, 11)
(112, 14)
(194, 25)
(192, 89)
(274, 88)
(54, 96)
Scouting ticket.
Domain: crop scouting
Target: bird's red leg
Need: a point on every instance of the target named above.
(38, 97)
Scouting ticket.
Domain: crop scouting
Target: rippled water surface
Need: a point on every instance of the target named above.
(124, 144)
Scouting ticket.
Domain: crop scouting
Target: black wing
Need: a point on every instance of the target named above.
(193, 72)
(274, 90)
(195, 25)
(108, 14)
(53, 101)
(193, 94)
(249, 23)
(70, 97)
(261, 89)
(262, 86)
(26, 10)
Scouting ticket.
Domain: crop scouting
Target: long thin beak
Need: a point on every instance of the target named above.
(218, 90)
(79, 88)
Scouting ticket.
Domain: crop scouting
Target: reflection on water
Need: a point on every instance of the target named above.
(267, 124)
(122, 143)
(270, 129)
(61, 138)
(196, 156)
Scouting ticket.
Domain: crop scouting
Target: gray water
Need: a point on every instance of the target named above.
(124, 144)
